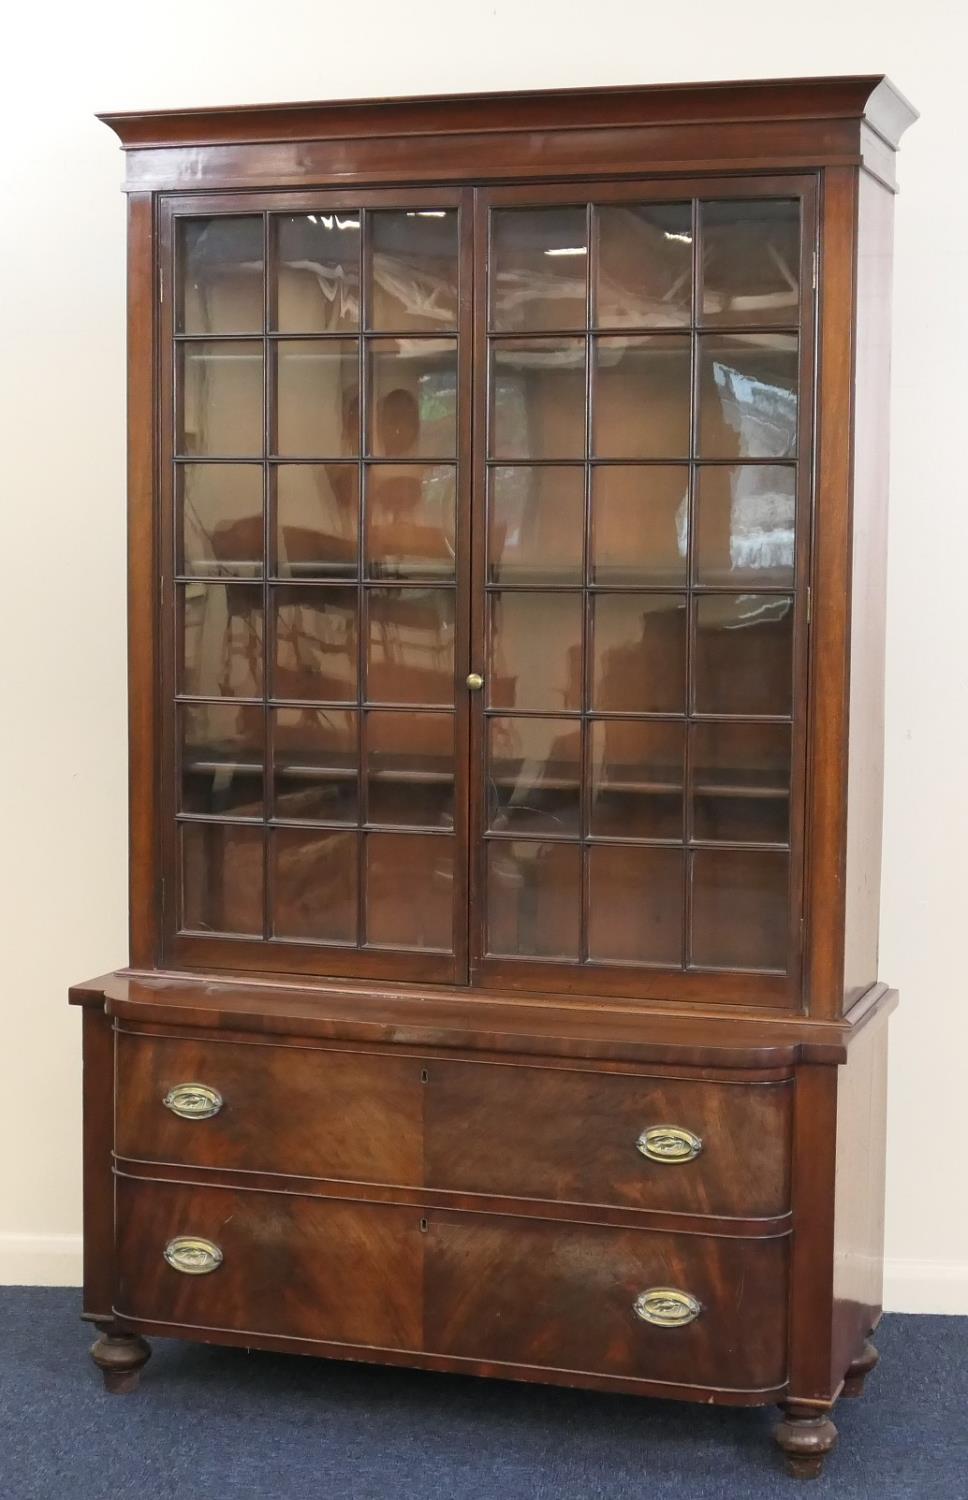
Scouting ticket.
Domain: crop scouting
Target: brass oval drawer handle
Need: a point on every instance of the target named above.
(192, 1256)
(669, 1143)
(665, 1307)
(193, 1101)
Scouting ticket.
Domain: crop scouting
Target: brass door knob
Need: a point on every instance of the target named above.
(193, 1256)
(475, 681)
(193, 1101)
(666, 1307)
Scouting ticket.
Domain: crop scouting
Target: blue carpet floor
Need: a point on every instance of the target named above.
(221, 1424)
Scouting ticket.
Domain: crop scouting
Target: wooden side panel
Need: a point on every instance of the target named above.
(859, 1194)
(300, 1112)
(814, 1172)
(297, 1267)
(532, 1292)
(830, 629)
(865, 776)
(546, 1133)
(143, 583)
(98, 1104)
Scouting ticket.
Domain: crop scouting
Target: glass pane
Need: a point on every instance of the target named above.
(535, 651)
(538, 268)
(410, 769)
(741, 782)
(221, 636)
(315, 759)
(318, 398)
(640, 524)
(739, 909)
(748, 396)
(745, 525)
(533, 899)
(751, 261)
(220, 399)
(413, 398)
(538, 398)
(220, 275)
(315, 644)
(639, 659)
(318, 272)
(635, 905)
(221, 885)
(411, 646)
(410, 520)
(744, 654)
(409, 891)
(222, 753)
(314, 893)
(317, 520)
(413, 269)
(536, 524)
(637, 779)
(534, 775)
(641, 397)
(644, 264)
(221, 519)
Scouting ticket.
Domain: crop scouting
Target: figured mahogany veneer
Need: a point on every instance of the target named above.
(506, 496)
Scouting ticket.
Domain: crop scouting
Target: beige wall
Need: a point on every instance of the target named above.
(62, 854)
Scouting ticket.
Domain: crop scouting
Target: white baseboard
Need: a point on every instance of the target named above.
(916, 1286)
(40, 1259)
(926, 1286)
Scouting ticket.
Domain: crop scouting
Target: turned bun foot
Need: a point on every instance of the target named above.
(859, 1371)
(806, 1436)
(120, 1357)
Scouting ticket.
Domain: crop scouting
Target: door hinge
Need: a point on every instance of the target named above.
(814, 271)
(161, 283)
(809, 605)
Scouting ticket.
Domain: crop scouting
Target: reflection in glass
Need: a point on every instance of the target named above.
(411, 646)
(533, 899)
(535, 524)
(318, 398)
(410, 768)
(315, 760)
(318, 272)
(751, 261)
(220, 264)
(744, 654)
(745, 524)
(410, 520)
(741, 782)
(221, 519)
(739, 909)
(748, 395)
(644, 263)
(533, 775)
(317, 520)
(410, 891)
(413, 269)
(537, 398)
(221, 878)
(538, 267)
(639, 658)
(220, 625)
(413, 398)
(535, 651)
(635, 906)
(220, 399)
(640, 524)
(641, 397)
(315, 644)
(314, 886)
(221, 759)
(636, 778)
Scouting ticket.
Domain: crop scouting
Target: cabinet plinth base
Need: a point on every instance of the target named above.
(858, 1372)
(806, 1437)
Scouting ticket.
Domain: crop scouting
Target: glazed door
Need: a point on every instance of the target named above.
(316, 426)
(641, 523)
